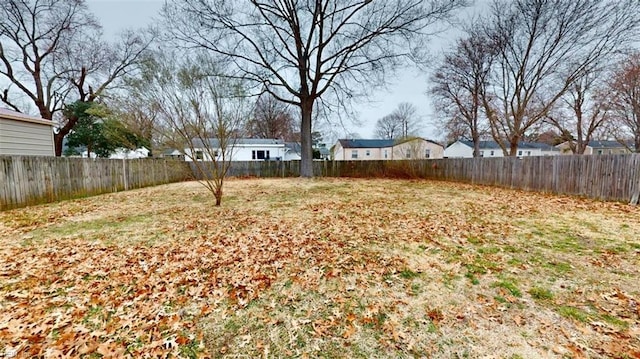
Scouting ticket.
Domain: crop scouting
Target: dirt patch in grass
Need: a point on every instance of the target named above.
(322, 268)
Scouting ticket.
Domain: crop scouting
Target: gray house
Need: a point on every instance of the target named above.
(25, 135)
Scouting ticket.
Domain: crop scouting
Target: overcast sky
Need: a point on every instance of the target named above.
(410, 86)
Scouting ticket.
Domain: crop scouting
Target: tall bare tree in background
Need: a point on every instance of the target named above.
(272, 119)
(310, 49)
(401, 123)
(625, 91)
(544, 47)
(388, 128)
(196, 111)
(582, 112)
(51, 54)
(459, 84)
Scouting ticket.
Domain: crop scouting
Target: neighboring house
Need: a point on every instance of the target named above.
(123, 153)
(173, 153)
(25, 135)
(375, 149)
(464, 149)
(293, 151)
(325, 153)
(599, 148)
(119, 154)
(242, 149)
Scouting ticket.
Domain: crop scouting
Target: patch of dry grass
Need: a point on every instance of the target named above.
(322, 268)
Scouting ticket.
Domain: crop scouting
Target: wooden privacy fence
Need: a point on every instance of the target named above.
(606, 177)
(31, 180)
(26, 180)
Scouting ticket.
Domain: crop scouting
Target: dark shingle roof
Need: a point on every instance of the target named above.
(361, 143)
(484, 145)
(493, 145)
(293, 147)
(609, 144)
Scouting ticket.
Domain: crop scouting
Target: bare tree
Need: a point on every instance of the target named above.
(309, 49)
(388, 128)
(582, 112)
(625, 91)
(198, 112)
(543, 48)
(401, 123)
(407, 115)
(132, 110)
(51, 55)
(459, 84)
(272, 119)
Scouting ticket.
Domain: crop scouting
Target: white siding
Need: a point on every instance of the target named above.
(338, 152)
(417, 150)
(457, 150)
(243, 152)
(491, 152)
(25, 138)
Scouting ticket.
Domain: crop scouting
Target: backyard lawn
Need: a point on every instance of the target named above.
(332, 268)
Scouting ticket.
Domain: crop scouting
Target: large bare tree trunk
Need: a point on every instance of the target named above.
(513, 147)
(476, 146)
(306, 162)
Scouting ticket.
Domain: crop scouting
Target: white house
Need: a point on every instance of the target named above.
(124, 153)
(242, 149)
(376, 149)
(293, 151)
(464, 149)
(25, 135)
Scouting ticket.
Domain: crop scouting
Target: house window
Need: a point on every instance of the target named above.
(199, 155)
(528, 153)
(260, 155)
(427, 153)
(481, 153)
(367, 153)
(492, 152)
(215, 154)
(599, 152)
(519, 153)
(354, 154)
(408, 154)
(386, 153)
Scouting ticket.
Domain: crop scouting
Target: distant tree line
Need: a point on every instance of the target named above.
(532, 67)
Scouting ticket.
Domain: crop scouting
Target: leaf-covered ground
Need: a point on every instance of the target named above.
(322, 268)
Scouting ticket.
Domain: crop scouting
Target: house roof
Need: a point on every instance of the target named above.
(293, 147)
(324, 151)
(379, 143)
(493, 145)
(609, 144)
(171, 152)
(364, 143)
(214, 143)
(18, 116)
